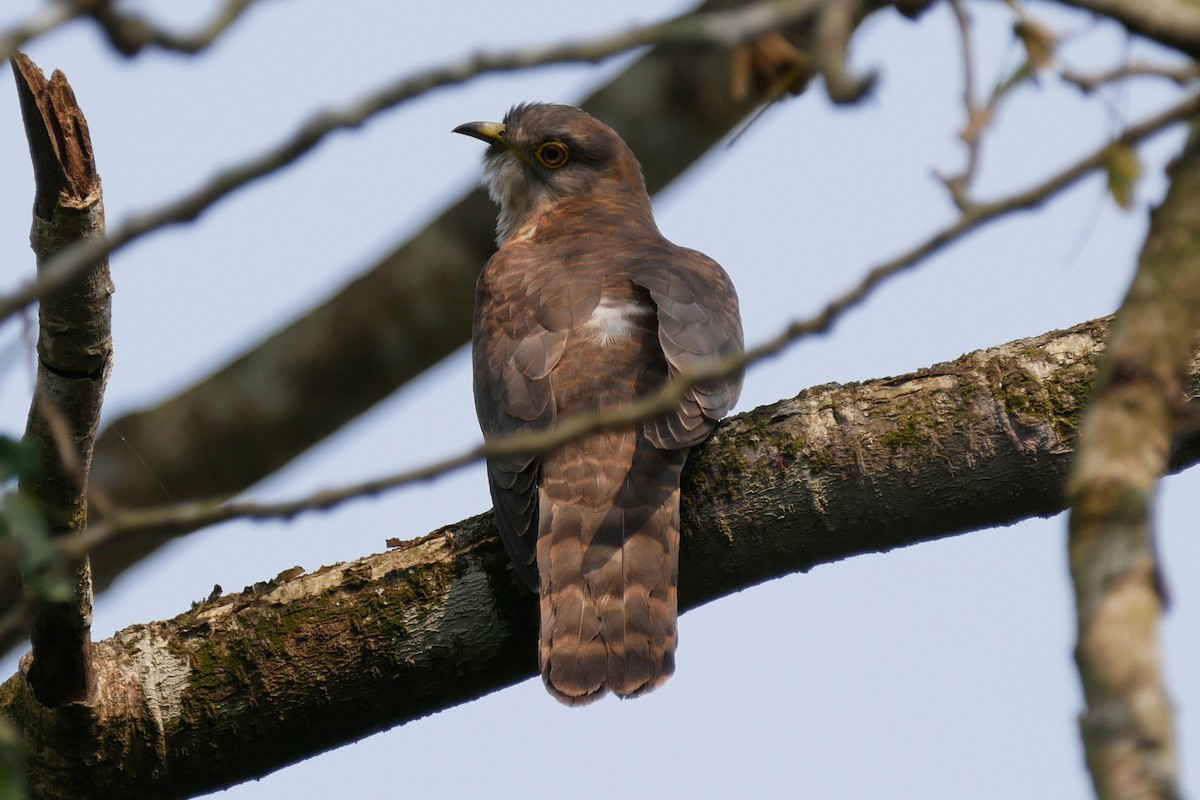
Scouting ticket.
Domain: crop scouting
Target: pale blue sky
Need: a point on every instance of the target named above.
(938, 671)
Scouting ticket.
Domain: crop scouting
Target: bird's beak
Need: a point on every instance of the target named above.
(490, 132)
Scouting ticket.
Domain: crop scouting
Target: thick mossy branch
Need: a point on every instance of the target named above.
(247, 683)
(846, 469)
(257, 680)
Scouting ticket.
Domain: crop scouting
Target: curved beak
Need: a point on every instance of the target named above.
(490, 132)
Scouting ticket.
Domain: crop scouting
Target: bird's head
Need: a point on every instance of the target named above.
(543, 156)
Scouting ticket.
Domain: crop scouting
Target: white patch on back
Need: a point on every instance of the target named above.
(615, 319)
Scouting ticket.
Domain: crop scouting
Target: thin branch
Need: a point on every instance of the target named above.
(186, 517)
(59, 429)
(967, 46)
(1179, 74)
(46, 20)
(834, 26)
(972, 132)
(1133, 135)
(182, 518)
(1039, 43)
(720, 28)
(130, 33)
(974, 217)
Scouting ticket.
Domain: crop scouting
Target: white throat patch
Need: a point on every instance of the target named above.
(509, 187)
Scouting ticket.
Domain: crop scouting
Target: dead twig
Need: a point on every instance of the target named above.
(74, 355)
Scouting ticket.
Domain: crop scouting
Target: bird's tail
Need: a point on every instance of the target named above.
(608, 557)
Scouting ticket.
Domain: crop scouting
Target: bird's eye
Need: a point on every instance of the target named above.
(552, 155)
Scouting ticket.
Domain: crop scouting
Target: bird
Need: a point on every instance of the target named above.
(586, 305)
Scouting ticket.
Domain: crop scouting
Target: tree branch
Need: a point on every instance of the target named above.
(837, 471)
(1179, 74)
(74, 358)
(131, 33)
(1124, 446)
(832, 32)
(48, 19)
(1175, 23)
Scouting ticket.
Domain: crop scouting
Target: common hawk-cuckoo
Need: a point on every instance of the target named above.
(586, 305)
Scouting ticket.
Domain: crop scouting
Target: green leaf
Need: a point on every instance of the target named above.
(1124, 168)
(17, 459)
(44, 569)
(1040, 42)
(1020, 75)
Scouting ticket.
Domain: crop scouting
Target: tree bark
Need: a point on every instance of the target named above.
(1125, 440)
(1174, 23)
(74, 358)
(300, 664)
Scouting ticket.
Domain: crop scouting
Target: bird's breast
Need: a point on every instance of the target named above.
(616, 318)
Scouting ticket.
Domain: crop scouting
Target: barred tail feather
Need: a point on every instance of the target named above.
(571, 653)
(608, 572)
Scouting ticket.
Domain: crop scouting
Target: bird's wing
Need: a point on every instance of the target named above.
(698, 325)
(523, 315)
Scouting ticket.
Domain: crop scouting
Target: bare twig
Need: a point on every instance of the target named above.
(975, 216)
(46, 20)
(1179, 74)
(130, 33)
(719, 28)
(1039, 43)
(73, 467)
(977, 117)
(967, 46)
(192, 516)
(59, 429)
(831, 51)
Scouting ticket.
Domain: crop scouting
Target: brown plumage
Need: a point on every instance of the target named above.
(586, 305)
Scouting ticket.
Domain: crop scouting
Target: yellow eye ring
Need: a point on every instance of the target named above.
(552, 155)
